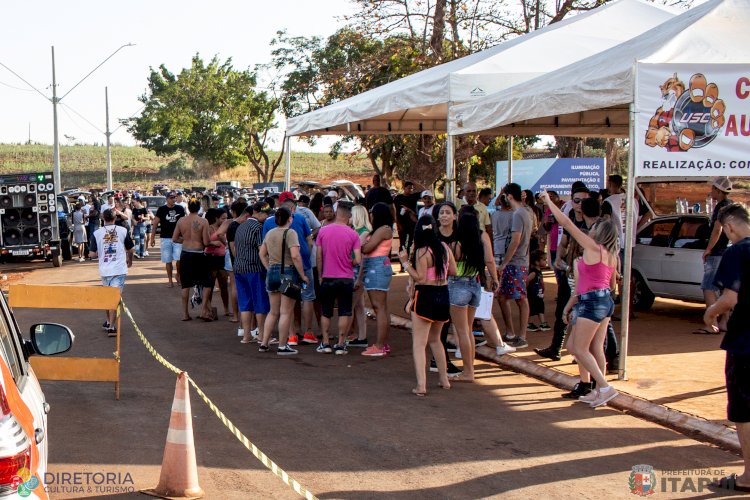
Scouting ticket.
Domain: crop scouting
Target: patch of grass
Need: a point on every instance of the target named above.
(135, 167)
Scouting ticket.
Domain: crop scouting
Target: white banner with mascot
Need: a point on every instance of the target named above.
(692, 120)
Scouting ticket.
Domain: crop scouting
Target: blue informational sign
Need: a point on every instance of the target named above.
(554, 174)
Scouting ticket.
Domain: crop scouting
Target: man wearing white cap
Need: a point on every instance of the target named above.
(429, 204)
(334, 196)
(717, 244)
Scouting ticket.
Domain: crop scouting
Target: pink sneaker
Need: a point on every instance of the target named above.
(387, 348)
(373, 351)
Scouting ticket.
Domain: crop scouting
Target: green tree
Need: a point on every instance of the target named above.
(211, 112)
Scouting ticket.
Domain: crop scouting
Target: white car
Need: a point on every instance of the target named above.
(23, 423)
(668, 259)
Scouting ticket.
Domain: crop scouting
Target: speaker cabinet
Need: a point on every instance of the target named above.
(11, 218)
(28, 217)
(31, 236)
(11, 237)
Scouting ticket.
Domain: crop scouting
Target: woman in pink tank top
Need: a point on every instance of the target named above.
(592, 301)
(428, 268)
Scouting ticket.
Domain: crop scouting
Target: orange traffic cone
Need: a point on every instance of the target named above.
(179, 471)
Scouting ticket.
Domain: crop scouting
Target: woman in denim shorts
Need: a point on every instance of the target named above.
(361, 224)
(471, 253)
(376, 274)
(595, 276)
(274, 246)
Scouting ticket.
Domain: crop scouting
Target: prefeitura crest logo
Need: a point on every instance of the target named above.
(642, 480)
(688, 118)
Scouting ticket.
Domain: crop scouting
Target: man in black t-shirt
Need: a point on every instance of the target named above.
(733, 278)
(406, 219)
(379, 194)
(140, 216)
(167, 216)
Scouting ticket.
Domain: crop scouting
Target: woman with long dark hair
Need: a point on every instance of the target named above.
(316, 205)
(429, 268)
(376, 274)
(473, 252)
(216, 254)
(446, 215)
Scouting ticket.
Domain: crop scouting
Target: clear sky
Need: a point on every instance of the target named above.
(85, 32)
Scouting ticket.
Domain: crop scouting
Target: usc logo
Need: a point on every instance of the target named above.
(687, 118)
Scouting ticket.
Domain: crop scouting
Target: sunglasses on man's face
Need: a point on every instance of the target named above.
(577, 200)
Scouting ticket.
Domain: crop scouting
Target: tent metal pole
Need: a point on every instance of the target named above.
(288, 173)
(628, 250)
(450, 168)
(510, 159)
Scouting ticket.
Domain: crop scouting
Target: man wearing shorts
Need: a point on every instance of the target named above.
(192, 231)
(338, 253)
(733, 278)
(249, 272)
(514, 268)
(114, 247)
(168, 215)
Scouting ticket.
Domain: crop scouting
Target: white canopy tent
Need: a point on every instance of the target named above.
(419, 103)
(591, 97)
(595, 97)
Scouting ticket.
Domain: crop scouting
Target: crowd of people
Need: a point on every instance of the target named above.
(285, 263)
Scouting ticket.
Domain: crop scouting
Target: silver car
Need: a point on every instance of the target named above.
(668, 259)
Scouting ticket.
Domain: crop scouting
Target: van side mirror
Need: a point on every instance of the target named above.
(49, 339)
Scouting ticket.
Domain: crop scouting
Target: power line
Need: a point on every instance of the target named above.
(24, 81)
(64, 105)
(15, 88)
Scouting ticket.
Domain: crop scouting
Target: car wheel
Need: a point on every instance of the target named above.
(66, 249)
(643, 298)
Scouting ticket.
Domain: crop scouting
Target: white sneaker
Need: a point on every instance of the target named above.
(457, 354)
(504, 349)
(603, 396)
(145, 254)
(255, 334)
(240, 332)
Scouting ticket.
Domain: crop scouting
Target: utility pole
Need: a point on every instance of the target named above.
(108, 134)
(56, 143)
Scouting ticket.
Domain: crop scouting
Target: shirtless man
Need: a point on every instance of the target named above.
(192, 233)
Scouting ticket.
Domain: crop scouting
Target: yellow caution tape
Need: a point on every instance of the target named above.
(270, 464)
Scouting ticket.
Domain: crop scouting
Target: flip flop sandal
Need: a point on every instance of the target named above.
(418, 394)
(704, 331)
(730, 483)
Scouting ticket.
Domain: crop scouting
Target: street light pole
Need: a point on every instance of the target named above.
(108, 134)
(55, 101)
(56, 141)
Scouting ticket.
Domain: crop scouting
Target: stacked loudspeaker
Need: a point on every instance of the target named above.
(27, 212)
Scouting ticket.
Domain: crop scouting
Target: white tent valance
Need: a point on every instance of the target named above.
(418, 104)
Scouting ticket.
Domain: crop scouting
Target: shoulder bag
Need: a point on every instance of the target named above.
(287, 286)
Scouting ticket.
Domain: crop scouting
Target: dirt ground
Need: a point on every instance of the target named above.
(344, 427)
(667, 364)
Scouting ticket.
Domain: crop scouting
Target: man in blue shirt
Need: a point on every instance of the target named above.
(302, 228)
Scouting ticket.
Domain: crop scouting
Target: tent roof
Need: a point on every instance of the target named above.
(592, 96)
(419, 103)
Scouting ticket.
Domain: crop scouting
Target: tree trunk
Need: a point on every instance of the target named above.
(438, 31)
(567, 147)
(610, 155)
